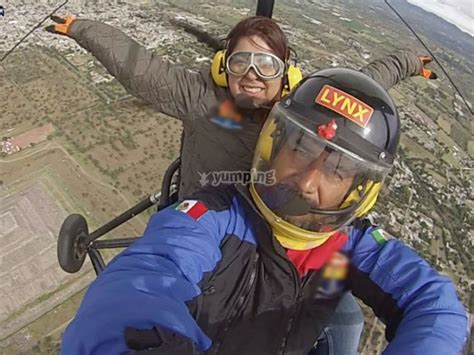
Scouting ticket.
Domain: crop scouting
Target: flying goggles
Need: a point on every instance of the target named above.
(266, 65)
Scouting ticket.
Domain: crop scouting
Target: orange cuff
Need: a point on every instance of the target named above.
(426, 73)
(64, 27)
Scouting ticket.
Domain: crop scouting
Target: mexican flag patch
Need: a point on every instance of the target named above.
(193, 208)
(381, 236)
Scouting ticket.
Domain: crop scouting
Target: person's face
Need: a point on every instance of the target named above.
(261, 91)
(314, 179)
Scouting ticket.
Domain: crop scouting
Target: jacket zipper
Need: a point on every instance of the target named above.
(296, 277)
(209, 290)
(241, 302)
(253, 276)
(290, 321)
(296, 309)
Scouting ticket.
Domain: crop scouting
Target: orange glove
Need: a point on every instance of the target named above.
(62, 26)
(427, 73)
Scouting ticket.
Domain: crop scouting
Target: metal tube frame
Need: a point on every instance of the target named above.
(162, 198)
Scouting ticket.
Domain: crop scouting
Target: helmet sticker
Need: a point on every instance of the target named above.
(328, 131)
(345, 105)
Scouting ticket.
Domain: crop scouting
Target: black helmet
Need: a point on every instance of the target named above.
(373, 137)
(352, 120)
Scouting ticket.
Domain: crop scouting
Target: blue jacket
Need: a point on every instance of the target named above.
(218, 281)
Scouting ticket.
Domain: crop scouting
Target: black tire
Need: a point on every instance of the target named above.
(71, 252)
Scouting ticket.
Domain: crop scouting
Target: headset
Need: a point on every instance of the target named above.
(291, 77)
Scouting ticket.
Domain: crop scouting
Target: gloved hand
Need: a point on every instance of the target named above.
(62, 26)
(161, 340)
(427, 73)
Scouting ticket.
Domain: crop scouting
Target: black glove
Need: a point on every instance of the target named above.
(158, 341)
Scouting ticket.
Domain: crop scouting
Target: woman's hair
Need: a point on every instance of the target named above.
(263, 27)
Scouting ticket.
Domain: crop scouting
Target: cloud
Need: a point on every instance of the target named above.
(458, 12)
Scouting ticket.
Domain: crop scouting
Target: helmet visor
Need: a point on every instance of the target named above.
(319, 186)
(266, 65)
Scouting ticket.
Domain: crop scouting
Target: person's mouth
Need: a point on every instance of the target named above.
(251, 90)
(287, 200)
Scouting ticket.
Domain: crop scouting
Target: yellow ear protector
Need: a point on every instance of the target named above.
(372, 188)
(218, 68)
(291, 77)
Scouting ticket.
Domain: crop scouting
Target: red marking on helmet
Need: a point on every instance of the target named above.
(328, 131)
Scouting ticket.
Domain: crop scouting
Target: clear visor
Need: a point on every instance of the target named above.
(266, 65)
(318, 186)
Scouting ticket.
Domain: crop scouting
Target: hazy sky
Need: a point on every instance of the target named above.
(458, 12)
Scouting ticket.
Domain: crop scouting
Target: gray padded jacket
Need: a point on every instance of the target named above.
(192, 97)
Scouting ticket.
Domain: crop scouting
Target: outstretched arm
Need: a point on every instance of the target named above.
(171, 88)
(389, 70)
(419, 307)
(146, 288)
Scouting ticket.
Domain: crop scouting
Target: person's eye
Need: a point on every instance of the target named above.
(267, 70)
(302, 151)
(266, 65)
(342, 174)
(331, 170)
(239, 64)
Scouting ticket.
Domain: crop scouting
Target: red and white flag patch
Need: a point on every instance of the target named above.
(193, 208)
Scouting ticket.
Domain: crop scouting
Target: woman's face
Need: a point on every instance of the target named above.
(261, 91)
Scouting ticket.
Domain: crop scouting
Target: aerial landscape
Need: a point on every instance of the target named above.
(74, 141)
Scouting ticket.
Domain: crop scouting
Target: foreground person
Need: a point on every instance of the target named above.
(260, 270)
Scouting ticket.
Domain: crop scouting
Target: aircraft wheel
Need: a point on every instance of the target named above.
(71, 249)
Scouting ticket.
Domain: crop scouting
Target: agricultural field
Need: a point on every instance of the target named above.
(88, 147)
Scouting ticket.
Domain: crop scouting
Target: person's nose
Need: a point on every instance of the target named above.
(309, 180)
(252, 74)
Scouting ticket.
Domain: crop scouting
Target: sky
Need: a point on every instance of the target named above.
(457, 12)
